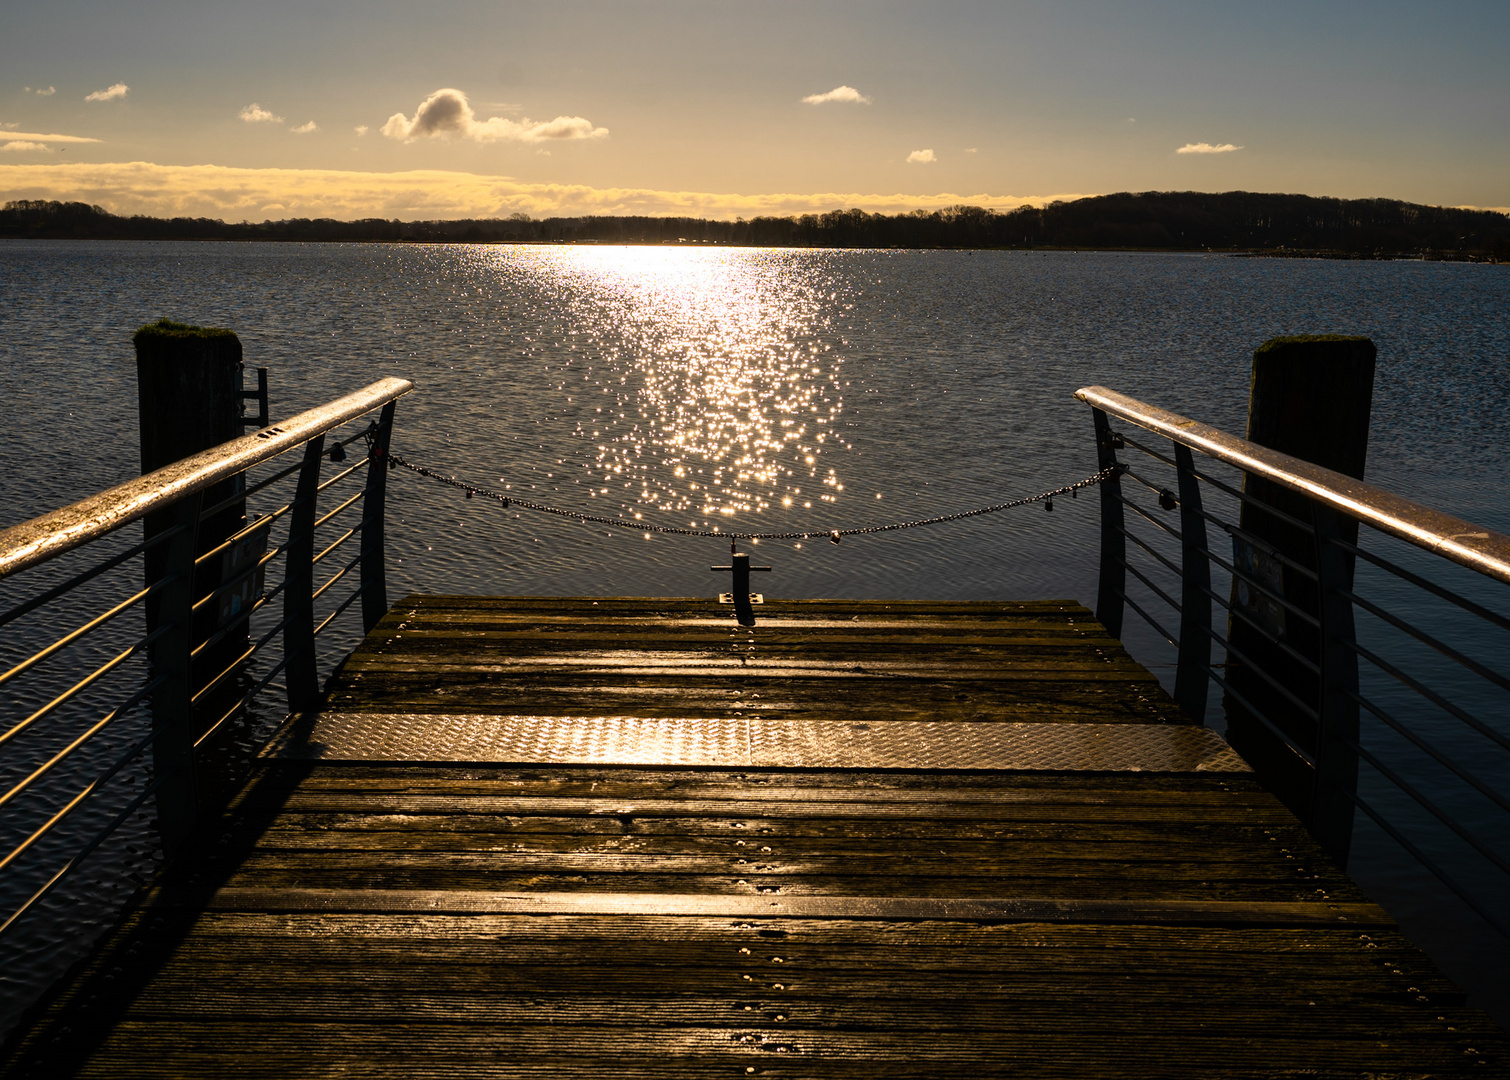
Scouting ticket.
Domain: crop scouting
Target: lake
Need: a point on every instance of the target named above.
(754, 390)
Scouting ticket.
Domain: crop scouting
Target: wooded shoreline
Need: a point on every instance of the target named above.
(1233, 222)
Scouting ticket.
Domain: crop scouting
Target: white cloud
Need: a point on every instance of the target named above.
(972, 149)
(110, 93)
(36, 136)
(1207, 148)
(921, 157)
(256, 114)
(447, 112)
(361, 129)
(43, 91)
(847, 95)
(140, 187)
(17, 145)
(305, 129)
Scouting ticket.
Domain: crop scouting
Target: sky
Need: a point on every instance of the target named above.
(463, 108)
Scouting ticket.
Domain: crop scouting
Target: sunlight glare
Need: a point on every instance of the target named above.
(715, 362)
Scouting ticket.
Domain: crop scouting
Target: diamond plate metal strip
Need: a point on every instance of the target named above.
(921, 744)
(516, 739)
(1011, 909)
(754, 743)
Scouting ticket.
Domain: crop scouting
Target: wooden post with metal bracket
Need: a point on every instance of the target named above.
(1311, 398)
(188, 400)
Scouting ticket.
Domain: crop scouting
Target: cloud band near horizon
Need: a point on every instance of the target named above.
(38, 137)
(235, 194)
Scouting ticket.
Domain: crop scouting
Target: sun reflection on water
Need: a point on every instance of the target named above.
(703, 383)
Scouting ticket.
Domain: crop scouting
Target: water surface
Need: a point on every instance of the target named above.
(752, 390)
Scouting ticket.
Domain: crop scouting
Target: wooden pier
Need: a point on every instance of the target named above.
(631, 838)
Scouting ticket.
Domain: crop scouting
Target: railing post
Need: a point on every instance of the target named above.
(374, 574)
(1191, 677)
(1113, 579)
(173, 730)
(299, 584)
(1336, 754)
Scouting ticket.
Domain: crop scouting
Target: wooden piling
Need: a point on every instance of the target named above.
(189, 400)
(1311, 398)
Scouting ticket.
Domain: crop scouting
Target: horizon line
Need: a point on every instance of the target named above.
(149, 189)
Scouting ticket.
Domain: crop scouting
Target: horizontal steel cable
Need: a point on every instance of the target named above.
(42, 599)
(113, 714)
(832, 534)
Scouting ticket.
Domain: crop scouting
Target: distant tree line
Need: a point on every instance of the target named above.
(1160, 221)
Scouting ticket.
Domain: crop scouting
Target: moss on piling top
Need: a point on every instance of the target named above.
(1307, 339)
(168, 329)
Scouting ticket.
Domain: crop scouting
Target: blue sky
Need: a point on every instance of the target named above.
(279, 109)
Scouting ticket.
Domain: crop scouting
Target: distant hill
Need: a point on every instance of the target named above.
(1160, 221)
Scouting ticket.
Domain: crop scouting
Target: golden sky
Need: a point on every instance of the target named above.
(237, 194)
(480, 107)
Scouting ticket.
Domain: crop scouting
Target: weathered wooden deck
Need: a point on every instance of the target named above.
(627, 838)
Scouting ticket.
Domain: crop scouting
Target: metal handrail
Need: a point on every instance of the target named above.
(179, 689)
(1442, 534)
(1323, 734)
(41, 538)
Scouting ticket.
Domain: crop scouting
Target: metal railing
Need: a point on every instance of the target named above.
(1354, 672)
(74, 747)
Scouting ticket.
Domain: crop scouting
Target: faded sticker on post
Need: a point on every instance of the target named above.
(1258, 595)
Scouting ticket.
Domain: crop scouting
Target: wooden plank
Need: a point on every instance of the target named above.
(636, 605)
(773, 785)
(1215, 888)
(1027, 701)
(814, 952)
(439, 1049)
(653, 658)
(586, 921)
(1087, 875)
(857, 785)
(351, 833)
(893, 905)
(878, 807)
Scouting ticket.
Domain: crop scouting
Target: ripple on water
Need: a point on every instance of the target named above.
(755, 389)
